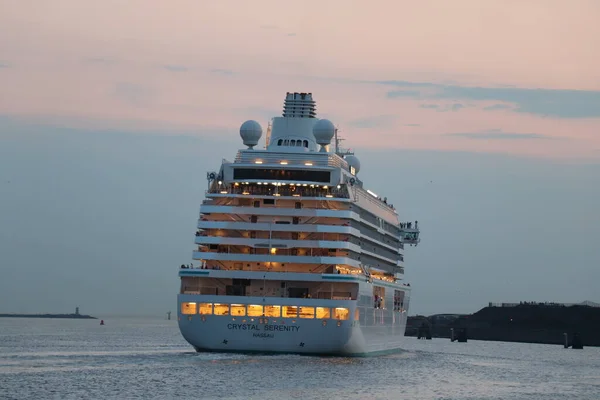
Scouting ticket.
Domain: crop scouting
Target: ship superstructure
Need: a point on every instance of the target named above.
(293, 253)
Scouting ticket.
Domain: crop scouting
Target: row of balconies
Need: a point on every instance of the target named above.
(286, 190)
(350, 257)
(282, 203)
(276, 258)
(294, 216)
(364, 239)
(287, 236)
(256, 243)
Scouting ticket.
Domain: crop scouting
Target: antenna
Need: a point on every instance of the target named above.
(268, 136)
(336, 140)
(340, 151)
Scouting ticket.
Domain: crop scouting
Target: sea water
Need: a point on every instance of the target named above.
(146, 358)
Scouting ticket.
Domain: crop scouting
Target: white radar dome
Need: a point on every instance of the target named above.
(323, 132)
(250, 131)
(354, 162)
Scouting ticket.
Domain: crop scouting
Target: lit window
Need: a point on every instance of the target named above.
(289, 312)
(323, 312)
(221, 309)
(188, 308)
(273, 311)
(341, 313)
(356, 314)
(205, 308)
(255, 310)
(238, 310)
(307, 312)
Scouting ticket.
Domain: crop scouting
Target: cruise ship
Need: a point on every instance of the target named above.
(293, 254)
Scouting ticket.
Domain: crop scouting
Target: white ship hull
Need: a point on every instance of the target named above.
(376, 331)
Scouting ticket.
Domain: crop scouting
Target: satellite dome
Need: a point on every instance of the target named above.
(323, 132)
(250, 131)
(354, 162)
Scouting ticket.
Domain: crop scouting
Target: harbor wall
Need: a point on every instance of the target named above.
(521, 323)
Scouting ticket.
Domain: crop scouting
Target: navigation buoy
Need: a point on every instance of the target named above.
(101, 322)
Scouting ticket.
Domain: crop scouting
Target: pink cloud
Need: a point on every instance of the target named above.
(108, 61)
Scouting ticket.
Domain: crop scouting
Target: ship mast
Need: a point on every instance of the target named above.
(339, 150)
(268, 135)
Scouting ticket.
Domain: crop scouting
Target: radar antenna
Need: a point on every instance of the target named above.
(339, 150)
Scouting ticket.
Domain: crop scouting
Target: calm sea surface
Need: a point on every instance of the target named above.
(131, 358)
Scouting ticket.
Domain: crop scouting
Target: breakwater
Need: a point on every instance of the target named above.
(70, 316)
(524, 322)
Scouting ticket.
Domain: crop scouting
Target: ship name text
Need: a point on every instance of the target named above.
(266, 328)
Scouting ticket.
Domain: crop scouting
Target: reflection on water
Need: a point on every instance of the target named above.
(145, 358)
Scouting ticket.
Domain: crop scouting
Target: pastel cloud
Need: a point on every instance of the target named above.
(499, 134)
(66, 65)
(545, 102)
(176, 68)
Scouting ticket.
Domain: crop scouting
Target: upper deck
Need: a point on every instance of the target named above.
(298, 206)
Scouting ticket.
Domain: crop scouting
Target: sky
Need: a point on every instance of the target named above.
(479, 119)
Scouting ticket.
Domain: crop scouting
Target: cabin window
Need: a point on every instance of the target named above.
(323, 312)
(205, 308)
(341, 313)
(279, 142)
(286, 142)
(307, 312)
(306, 143)
(273, 311)
(292, 142)
(238, 310)
(289, 312)
(255, 310)
(299, 143)
(188, 308)
(221, 309)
